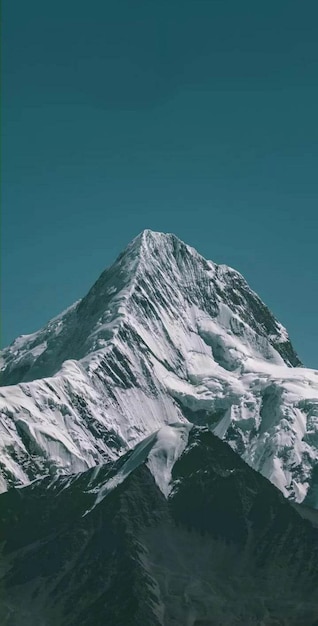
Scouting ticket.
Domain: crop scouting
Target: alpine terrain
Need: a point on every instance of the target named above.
(159, 446)
(163, 336)
(178, 532)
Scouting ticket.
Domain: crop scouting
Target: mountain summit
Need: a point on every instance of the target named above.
(156, 276)
(163, 336)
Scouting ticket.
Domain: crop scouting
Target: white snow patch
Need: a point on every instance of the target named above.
(168, 447)
(161, 450)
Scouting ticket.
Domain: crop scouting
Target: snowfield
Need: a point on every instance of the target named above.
(163, 337)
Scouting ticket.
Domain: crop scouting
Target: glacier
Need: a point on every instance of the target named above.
(163, 337)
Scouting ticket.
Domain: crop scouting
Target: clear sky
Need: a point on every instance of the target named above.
(192, 117)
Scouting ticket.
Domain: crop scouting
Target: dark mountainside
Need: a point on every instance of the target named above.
(224, 549)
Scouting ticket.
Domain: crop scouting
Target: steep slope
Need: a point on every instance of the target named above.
(163, 336)
(214, 543)
(156, 275)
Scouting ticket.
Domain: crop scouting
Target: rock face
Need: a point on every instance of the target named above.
(163, 336)
(179, 530)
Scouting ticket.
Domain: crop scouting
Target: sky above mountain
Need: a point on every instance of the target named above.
(197, 118)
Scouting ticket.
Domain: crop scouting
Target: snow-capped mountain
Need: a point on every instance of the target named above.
(177, 531)
(163, 336)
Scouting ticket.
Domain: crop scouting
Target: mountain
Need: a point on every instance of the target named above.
(179, 530)
(163, 336)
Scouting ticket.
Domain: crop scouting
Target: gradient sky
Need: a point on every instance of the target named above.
(198, 118)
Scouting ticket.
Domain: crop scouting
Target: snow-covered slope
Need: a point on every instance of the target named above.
(163, 336)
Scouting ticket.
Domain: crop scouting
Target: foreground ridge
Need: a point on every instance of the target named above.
(114, 544)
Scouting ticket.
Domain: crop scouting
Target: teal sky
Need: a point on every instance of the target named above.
(198, 118)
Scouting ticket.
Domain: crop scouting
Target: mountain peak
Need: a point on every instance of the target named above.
(149, 237)
(158, 243)
(157, 276)
(163, 336)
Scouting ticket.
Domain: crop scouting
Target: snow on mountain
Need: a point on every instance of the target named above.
(161, 450)
(163, 336)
